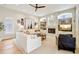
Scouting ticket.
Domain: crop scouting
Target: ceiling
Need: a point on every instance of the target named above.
(50, 8)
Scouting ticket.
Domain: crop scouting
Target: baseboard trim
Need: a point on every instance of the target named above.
(7, 39)
(77, 51)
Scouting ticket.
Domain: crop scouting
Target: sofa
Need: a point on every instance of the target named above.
(66, 42)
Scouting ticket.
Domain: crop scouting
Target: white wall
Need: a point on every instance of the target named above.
(77, 28)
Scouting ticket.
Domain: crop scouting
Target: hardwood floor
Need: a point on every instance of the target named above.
(48, 47)
(8, 47)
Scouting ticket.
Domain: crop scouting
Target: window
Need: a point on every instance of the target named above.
(8, 25)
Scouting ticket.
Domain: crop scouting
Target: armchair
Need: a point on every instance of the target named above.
(66, 42)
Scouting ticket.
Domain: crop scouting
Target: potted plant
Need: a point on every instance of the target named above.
(1, 26)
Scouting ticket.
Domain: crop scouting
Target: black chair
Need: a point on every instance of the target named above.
(66, 42)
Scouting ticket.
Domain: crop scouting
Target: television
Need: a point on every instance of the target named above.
(65, 27)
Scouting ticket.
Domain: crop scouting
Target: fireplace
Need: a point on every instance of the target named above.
(51, 30)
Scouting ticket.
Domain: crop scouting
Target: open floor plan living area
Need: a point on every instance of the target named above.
(39, 29)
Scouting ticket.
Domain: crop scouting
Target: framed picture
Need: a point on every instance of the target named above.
(18, 21)
(22, 21)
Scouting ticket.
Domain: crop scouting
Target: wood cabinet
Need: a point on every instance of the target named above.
(43, 36)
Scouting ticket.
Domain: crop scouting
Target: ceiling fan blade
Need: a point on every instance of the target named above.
(32, 5)
(41, 7)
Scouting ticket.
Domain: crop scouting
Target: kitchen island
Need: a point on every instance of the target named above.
(27, 42)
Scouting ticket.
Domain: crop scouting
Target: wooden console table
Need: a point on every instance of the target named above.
(43, 36)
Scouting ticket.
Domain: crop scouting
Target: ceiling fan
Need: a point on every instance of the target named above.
(36, 6)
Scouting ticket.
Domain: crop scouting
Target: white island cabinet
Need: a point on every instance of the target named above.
(27, 43)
